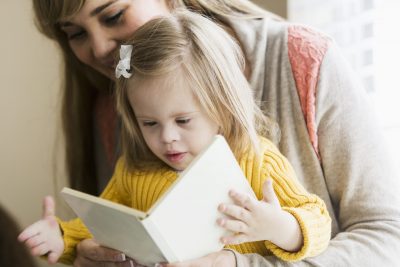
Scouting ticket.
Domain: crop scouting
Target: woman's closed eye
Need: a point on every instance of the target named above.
(80, 33)
(76, 35)
(113, 19)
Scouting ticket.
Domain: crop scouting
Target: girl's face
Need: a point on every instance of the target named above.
(173, 124)
(98, 29)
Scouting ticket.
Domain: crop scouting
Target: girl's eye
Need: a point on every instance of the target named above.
(149, 123)
(114, 19)
(183, 121)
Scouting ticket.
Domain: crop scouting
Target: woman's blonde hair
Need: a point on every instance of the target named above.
(82, 83)
(209, 63)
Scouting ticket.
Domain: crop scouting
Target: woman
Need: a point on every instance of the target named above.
(327, 131)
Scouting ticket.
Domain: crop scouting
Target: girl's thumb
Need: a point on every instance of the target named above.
(48, 207)
(269, 195)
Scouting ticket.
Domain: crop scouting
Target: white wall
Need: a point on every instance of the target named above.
(29, 94)
(367, 33)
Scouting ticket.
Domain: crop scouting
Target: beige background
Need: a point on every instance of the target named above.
(277, 6)
(30, 138)
(29, 108)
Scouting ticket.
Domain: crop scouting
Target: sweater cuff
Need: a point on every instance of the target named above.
(73, 232)
(289, 255)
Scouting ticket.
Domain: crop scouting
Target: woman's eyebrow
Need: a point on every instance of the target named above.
(98, 9)
(94, 12)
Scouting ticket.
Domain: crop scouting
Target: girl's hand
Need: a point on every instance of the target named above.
(44, 236)
(254, 220)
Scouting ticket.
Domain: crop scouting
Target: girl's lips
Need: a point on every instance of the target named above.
(175, 157)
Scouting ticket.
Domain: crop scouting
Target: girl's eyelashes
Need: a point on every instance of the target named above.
(153, 123)
(114, 19)
(183, 120)
(149, 123)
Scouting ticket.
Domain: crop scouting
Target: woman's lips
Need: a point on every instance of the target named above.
(175, 157)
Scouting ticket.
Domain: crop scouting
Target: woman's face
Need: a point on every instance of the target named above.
(96, 31)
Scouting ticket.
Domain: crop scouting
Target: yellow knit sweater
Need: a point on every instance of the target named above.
(140, 189)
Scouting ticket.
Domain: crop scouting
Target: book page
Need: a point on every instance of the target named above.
(181, 225)
(187, 213)
(115, 226)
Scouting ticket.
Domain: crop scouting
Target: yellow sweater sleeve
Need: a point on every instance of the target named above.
(308, 209)
(75, 231)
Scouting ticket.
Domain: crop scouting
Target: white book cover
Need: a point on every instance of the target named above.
(181, 225)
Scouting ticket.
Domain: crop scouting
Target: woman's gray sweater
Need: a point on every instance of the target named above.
(337, 148)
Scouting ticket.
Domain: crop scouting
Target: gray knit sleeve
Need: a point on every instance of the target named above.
(360, 176)
(361, 179)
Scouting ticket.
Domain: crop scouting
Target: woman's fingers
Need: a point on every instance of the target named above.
(88, 248)
(85, 262)
(91, 254)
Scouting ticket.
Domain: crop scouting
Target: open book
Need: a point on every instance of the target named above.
(181, 225)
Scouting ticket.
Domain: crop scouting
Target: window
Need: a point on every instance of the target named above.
(366, 31)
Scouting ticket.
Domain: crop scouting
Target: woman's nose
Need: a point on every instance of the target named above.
(102, 45)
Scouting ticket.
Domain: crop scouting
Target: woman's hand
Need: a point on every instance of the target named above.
(91, 254)
(223, 258)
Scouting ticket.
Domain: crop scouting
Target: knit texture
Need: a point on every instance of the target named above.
(306, 50)
(354, 174)
(141, 189)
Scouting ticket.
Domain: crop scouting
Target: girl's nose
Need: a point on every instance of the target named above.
(169, 134)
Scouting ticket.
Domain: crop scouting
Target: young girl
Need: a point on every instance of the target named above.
(180, 82)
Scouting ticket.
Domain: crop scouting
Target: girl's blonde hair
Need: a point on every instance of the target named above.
(82, 83)
(210, 64)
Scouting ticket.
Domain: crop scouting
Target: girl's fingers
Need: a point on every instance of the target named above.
(235, 211)
(233, 225)
(35, 241)
(30, 232)
(36, 228)
(40, 249)
(243, 200)
(53, 257)
(234, 239)
(24, 236)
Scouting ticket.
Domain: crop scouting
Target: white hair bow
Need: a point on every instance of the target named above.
(124, 63)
